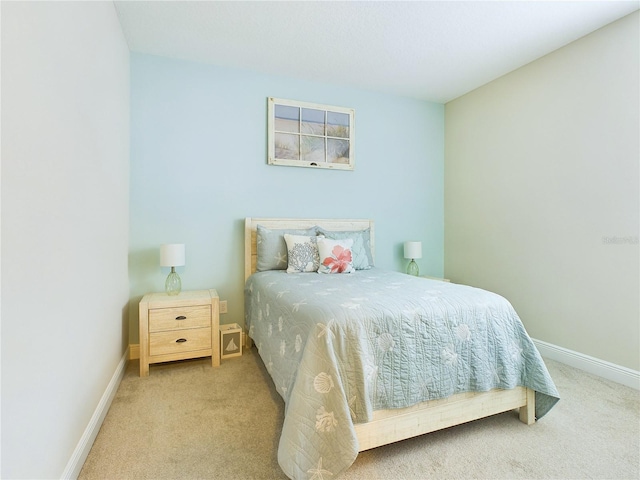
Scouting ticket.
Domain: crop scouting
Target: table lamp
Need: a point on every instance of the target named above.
(413, 250)
(172, 255)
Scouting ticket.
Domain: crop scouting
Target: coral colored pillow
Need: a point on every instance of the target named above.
(361, 249)
(335, 255)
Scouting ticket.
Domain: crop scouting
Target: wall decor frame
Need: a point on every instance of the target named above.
(304, 134)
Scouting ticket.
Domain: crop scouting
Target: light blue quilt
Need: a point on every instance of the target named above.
(339, 347)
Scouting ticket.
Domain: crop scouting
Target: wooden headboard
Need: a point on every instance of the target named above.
(250, 227)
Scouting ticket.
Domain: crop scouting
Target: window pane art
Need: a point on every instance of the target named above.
(312, 149)
(337, 125)
(313, 121)
(287, 146)
(287, 119)
(310, 135)
(338, 151)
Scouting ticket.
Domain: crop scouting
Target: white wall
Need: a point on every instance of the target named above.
(542, 197)
(65, 190)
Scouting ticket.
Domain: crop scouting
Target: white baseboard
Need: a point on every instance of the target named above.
(602, 368)
(81, 451)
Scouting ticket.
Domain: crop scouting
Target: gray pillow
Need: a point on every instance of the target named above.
(272, 249)
(361, 249)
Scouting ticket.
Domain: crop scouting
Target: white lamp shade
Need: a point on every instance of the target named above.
(172, 255)
(412, 250)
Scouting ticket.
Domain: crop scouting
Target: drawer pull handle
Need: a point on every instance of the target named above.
(181, 317)
(181, 340)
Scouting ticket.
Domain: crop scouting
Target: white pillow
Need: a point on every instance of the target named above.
(302, 251)
(336, 256)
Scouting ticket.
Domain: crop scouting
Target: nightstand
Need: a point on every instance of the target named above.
(436, 278)
(177, 327)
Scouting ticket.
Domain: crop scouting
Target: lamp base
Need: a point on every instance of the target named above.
(173, 285)
(412, 268)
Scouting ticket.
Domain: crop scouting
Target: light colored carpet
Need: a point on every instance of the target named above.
(188, 420)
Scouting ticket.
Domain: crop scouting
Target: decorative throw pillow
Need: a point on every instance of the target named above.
(272, 249)
(335, 255)
(302, 251)
(361, 250)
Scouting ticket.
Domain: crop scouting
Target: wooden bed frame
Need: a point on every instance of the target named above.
(388, 426)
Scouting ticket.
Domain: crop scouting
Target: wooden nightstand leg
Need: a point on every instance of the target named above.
(144, 339)
(215, 329)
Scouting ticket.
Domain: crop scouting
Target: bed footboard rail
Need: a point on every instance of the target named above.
(388, 426)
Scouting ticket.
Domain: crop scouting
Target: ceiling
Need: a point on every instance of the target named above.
(431, 50)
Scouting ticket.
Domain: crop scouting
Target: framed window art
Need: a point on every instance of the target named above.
(305, 134)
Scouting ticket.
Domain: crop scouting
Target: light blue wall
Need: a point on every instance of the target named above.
(198, 168)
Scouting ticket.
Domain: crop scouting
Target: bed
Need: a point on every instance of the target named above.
(371, 357)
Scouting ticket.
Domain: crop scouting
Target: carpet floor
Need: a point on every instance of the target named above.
(188, 420)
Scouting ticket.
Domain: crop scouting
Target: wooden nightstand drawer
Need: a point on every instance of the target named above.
(177, 341)
(162, 319)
